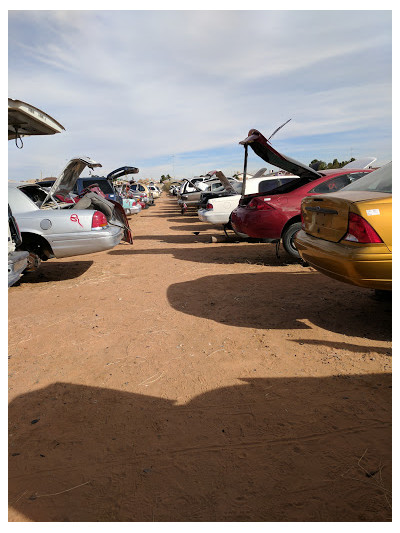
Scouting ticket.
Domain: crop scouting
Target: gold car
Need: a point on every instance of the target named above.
(348, 235)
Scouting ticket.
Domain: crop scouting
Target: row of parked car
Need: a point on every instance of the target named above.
(69, 215)
(337, 220)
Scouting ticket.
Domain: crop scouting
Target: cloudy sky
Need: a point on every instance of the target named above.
(175, 91)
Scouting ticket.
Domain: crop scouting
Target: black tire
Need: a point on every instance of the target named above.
(33, 262)
(288, 239)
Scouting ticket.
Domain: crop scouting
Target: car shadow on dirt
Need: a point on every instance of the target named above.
(56, 271)
(284, 300)
(282, 449)
(338, 346)
(245, 253)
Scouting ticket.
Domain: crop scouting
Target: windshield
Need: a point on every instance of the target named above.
(378, 181)
(104, 185)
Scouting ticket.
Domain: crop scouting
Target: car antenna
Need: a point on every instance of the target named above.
(277, 129)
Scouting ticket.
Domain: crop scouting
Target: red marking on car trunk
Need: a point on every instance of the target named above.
(75, 218)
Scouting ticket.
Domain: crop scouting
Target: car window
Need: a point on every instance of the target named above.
(337, 183)
(36, 194)
(141, 188)
(270, 185)
(378, 181)
(104, 185)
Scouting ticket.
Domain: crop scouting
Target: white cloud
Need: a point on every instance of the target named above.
(137, 84)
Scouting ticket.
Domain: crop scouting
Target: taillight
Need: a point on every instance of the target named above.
(99, 220)
(259, 203)
(359, 230)
(209, 207)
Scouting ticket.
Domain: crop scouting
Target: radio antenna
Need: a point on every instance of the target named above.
(277, 129)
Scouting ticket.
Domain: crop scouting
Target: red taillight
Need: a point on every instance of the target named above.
(359, 230)
(209, 206)
(259, 203)
(99, 220)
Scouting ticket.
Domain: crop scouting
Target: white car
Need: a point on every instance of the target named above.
(51, 227)
(154, 190)
(218, 210)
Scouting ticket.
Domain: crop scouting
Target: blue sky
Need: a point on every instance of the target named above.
(175, 91)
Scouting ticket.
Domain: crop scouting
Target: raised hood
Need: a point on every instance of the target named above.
(67, 179)
(225, 182)
(263, 149)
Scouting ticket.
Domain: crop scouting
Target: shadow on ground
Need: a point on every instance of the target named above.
(284, 300)
(299, 449)
(246, 253)
(56, 271)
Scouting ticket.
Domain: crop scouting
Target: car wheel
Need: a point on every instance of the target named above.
(33, 262)
(288, 239)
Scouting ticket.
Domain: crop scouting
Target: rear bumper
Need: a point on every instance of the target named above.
(86, 242)
(17, 262)
(212, 217)
(359, 265)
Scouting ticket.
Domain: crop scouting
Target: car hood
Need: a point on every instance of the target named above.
(67, 179)
(263, 149)
(225, 182)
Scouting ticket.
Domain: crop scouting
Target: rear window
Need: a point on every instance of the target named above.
(104, 185)
(49, 183)
(337, 183)
(378, 181)
(36, 194)
(270, 185)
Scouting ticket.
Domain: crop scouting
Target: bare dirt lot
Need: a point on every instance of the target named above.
(177, 379)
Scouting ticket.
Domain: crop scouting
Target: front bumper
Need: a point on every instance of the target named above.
(368, 266)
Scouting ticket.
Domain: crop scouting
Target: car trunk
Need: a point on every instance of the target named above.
(326, 217)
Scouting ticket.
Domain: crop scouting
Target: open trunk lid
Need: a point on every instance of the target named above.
(262, 147)
(67, 179)
(122, 171)
(25, 119)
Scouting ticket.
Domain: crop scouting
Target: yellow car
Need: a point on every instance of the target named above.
(348, 235)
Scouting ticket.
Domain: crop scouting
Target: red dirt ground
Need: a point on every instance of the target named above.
(177, 379)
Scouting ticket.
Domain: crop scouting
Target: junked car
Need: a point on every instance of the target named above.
(275, 215)
(122, 188)
(347, 235)
(155, 191)
(216, 208)
(52, 228)
(141, 187)
(23, 120)
(106, 186)
(190, 200)
(17, 260)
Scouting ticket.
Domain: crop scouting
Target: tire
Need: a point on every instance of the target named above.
(288, 239)
(33, 262)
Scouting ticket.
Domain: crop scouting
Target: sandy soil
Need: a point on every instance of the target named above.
(177, 379)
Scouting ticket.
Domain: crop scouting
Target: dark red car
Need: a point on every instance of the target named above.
(276, 215)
